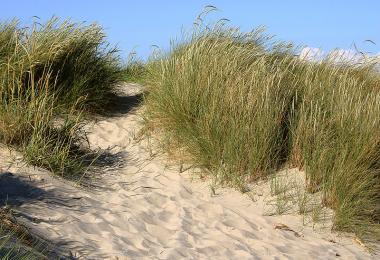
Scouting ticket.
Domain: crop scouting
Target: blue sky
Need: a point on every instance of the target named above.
(140, 24)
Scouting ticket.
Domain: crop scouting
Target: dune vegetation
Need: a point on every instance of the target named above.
(243, 105)
(51, 76)
(240, 106)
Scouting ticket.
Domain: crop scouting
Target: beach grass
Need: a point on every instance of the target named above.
(134, 69)
(244, 105)
(241, 106)
(53, 75)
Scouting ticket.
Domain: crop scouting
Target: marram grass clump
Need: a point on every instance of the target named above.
(49, 75)
(79, 61)
(242, 106)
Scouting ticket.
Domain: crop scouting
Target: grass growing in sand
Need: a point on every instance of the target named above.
(50, 76)
(242, 106)
(17, 243)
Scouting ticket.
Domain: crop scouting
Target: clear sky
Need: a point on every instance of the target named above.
(140, 24)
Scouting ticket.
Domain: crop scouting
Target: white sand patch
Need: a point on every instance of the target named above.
(148, 210)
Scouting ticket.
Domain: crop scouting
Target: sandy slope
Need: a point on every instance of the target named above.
(146, 210)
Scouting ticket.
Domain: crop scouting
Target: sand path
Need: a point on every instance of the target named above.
(145, 209)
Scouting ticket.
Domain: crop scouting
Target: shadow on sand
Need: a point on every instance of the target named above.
(14, 191)
(18, 190)
(18, 241)
(122, 104)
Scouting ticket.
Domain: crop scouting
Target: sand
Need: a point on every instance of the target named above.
(142, 208)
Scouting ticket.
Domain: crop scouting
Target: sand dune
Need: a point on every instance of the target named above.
(145, 209)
